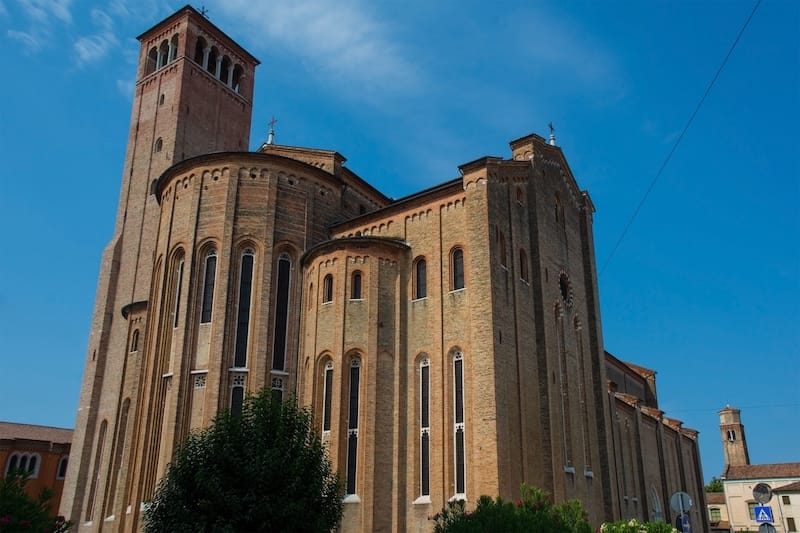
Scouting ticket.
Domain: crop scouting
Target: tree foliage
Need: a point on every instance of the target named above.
(262, 470)
(715, 485)
(532, 512)
(20, 512)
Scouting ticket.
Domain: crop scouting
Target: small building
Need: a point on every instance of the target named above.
(788, 498)
(41, 450)
(740, 478)
(717, 512)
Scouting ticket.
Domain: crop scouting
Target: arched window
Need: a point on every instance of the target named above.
(520, 196)
(163, 53)
(173, 48)
(352, 426)
(151, 62)
(177, 283)
(209, 278)
(425, 426)
(657, 512)
(457, 269)
(24, 462)
(243, 308)
(226, 71)
(213, 59)
(420, 278)
(135, 341)
(159, 144)
(731, 435)
(98, 457)
(281, 328)
(355, 285)
(200, 51)
(459, 442)
(523, 265)
(61, 473)
(714, 515)
(327, 396)
(327, 289)
(237, 77)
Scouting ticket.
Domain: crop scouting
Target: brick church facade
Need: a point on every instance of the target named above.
(449, 343)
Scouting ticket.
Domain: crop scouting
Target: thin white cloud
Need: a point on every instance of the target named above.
(44, 10)
(345, 43)
(93, 48)
(29, 41)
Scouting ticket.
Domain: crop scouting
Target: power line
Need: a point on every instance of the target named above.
(680, 138)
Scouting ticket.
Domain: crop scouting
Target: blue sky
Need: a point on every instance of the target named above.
(705, 287)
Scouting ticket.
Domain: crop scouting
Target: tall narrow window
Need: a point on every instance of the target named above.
(281, 313)
(237, 399)
(209, 277)
(98, 457)
(523, 265)
(178, 285)
(501, 245)
(352, 427)
(327, 289)
(457, 269)
(243, 311)
(563, 370)
(62, 467)
(135, 341)
(425, 426)
(420, 279)
(355, 285)
(327, 396)
(458, 426)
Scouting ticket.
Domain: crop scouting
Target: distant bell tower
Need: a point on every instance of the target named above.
(193, 96)
(734, 443)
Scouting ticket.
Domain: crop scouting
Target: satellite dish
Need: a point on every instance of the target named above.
(762, 493)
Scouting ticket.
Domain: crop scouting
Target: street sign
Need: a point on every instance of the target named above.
(766, 528)
(762, 493)
(763, 514)
(682, 523)
(680, 502)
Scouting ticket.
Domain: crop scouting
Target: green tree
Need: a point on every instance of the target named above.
(715, 485)
(20, 512)
(262, 470)
(532, 512)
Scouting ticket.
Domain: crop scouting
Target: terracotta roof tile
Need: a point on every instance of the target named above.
(715, 497)
(763, 471)
(11, 430)
(791, 487)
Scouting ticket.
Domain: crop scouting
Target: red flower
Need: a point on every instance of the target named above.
(5, 520)
(25, 523)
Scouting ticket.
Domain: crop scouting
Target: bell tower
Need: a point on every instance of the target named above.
(734, 444)
(193, 95)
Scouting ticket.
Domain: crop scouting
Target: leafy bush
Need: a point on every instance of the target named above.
(532, 512)
(262, 470)
(634, 526)
(21, 512)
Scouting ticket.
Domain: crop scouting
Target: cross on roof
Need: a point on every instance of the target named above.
(272, 123)
(204, 11)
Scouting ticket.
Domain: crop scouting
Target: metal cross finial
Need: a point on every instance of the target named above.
(204, 11)
(272, 123)
(552, 128)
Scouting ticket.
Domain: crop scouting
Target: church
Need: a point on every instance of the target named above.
(449, 343)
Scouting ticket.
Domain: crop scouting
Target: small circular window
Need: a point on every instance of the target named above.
(565, 287)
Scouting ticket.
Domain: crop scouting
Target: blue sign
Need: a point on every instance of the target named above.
(763, 514)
